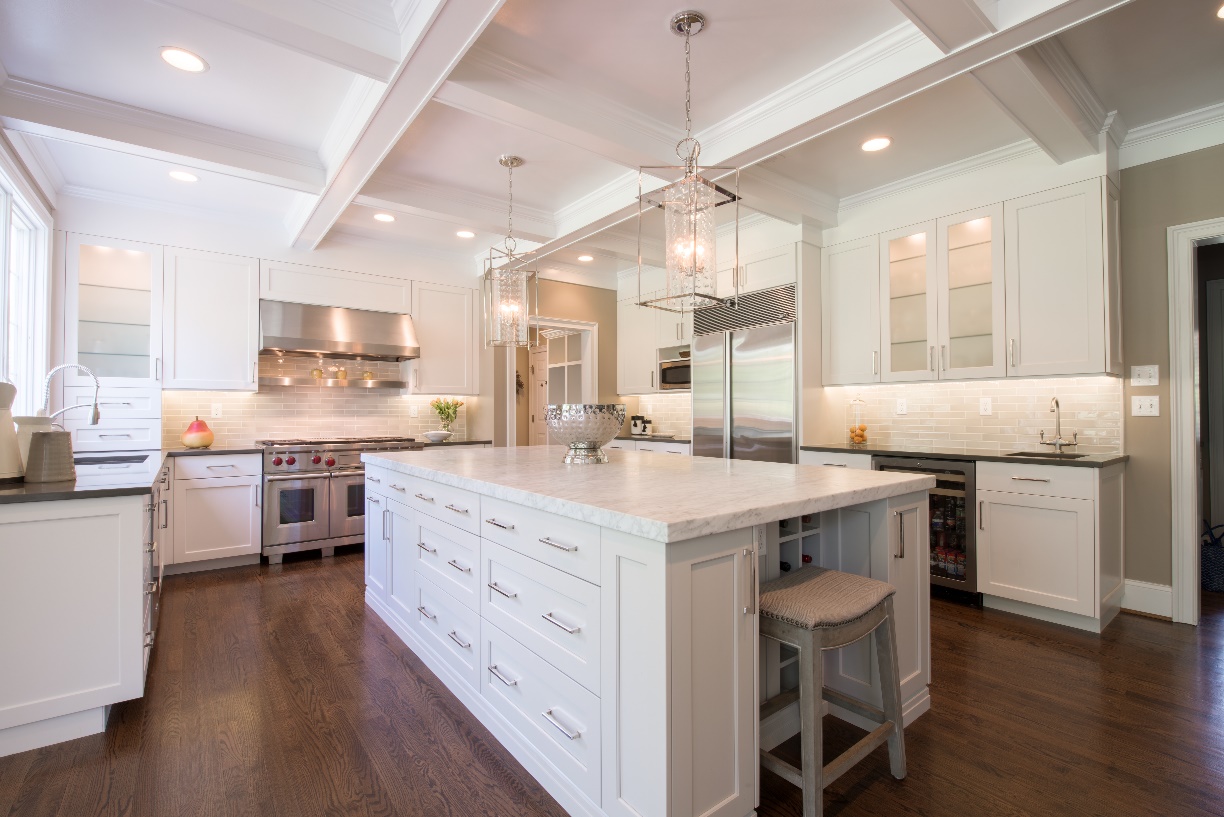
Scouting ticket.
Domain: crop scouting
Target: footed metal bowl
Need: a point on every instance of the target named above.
(584, 427)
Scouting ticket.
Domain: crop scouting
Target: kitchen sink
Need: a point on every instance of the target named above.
(1045, 455)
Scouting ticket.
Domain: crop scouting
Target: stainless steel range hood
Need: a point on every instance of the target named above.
(330, 331)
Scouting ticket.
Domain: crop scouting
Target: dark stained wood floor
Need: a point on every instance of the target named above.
(274, 692)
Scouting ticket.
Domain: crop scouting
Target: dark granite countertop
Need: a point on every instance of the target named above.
(453, 443)
(85, 487)
(978, 455)
(652, 438)
(204, 452)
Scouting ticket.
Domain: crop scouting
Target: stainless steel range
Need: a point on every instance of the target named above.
(314, 491)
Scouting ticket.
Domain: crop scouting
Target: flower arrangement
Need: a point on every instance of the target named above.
(447, 410)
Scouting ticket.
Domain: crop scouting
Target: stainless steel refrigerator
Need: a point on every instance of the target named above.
(744, 400)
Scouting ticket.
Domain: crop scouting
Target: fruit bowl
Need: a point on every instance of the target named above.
(584, 427)
(438, 436)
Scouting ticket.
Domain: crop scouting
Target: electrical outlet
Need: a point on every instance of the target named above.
(216, 410)
(414, 411)
(1145, 376)
(901, 407)
(984, 407)
(1145, 406)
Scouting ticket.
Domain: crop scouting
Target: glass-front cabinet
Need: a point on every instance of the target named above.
(908, 303)
(114, 318)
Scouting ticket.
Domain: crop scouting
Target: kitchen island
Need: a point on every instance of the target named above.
(601, 621)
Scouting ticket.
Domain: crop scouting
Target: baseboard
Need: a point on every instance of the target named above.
(27, 736)
(1023, 608)
(1148, 599)
(211, 564)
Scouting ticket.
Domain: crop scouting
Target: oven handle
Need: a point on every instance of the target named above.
(294, 477)
(348, 472)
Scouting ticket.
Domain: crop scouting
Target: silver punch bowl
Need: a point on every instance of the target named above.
(584, 427)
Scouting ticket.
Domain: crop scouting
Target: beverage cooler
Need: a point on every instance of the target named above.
(953, 533)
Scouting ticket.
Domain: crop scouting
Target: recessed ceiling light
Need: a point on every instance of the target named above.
(878, 143)
(586, 258)
(466, 234)
(184, 60)
(1220, 13)
(384, 217)
(183, 176)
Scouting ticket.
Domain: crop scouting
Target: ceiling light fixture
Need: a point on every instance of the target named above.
(585, 258)
(466, 234)
(184, 60)
(688, 206)
(183, 176)
(1220, 13)
(507, 276)
(384, 217)
(876, 143)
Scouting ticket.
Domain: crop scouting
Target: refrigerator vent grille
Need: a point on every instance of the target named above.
(763, 308)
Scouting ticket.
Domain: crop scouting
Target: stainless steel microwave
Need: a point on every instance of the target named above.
(675, 374)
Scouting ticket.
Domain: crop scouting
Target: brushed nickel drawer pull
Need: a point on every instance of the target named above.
(373, 499)
(549, 618)
(374, 479)
(1029, 479)
(114, 436)
(467, 645)
(455, 509)
(548, 716)
(981, 516)
(459, 567)
(495, 586)
(148, 640)
(217, 467)
(426, 548)
(499, 676)
(834, 464)
(398, 487)
(567, 548)
(497, 524)
(426, 613)
(424, 498)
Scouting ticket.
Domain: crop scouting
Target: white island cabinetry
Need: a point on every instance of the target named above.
(610, 643)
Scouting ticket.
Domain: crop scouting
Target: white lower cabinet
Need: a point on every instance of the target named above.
(450, 628)
(651, 446)
(836, 459)
(376, 545)
(221, 516)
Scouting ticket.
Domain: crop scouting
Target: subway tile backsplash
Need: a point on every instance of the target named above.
(305, 411)
(671, 412)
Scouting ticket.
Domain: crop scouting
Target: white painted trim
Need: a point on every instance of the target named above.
(359, 103)
(44, 171)
(29, 186)
(1023, 608)
(27, 736)
(1183, 445)
(1145, 597)
(1179, 134)
(186, 210)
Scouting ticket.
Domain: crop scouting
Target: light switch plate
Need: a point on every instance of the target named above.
(984, 407)
(1145, 405)
(414, 411)
(216, 409)
(901, 407)
(1145, 376)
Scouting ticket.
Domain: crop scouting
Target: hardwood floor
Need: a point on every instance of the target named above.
(273, 691)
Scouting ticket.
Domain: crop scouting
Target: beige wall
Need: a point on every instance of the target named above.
(582, 303)
(1155, 196)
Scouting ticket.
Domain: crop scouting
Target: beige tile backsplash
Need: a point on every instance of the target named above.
(304, 411)
(671, 412)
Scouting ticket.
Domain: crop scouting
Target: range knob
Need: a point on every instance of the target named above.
(330, 462)
(277, 460)
(292, 459)
(316, 459)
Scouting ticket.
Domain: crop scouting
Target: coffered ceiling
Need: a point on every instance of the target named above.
(315, 115)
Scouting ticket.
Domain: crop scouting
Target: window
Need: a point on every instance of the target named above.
(24, 262)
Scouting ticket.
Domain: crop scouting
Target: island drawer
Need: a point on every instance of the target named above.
(553, 614)
(558, 716)
(1038, 480)
(450, 629)
(566, 544)
(211, 466)
(455, 506)
(449, 557)
(378, 481)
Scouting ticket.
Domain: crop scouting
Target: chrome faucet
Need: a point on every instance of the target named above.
(1058, 442)
(94, 414)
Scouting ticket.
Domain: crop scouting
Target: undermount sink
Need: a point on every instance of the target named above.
(1045, 455)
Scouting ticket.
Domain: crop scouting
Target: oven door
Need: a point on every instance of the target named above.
(348, 502)
(295, 509)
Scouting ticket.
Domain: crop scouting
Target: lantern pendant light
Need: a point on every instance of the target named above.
(509, 279)
(688, 207)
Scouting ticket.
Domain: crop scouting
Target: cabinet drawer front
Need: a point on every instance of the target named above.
(211, 466)
(621, 445)
(378, 481)
(554, 614)
(835, 459)
(566, 544)
(455, 506)
(558, 716)
(115, 435)
(114, 404)
(450, 558)
(1038, 480)
(662, 448)
(449, 628)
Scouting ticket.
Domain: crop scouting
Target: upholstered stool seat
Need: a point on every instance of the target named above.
(813, 610)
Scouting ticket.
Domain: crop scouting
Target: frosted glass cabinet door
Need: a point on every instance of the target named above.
(908, 303)
(971, 295)
(113, 324)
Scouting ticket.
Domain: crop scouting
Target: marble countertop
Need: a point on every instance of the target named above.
(453, 443)
(667, 499)
(652, 438)
(975, 454)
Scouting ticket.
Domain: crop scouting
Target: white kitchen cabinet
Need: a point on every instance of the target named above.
(836, 459)
(1055, 271)
(376, 544)
(392, 555)
(672, 329)
(909, 324)
(1113, 279)
(211, 321)
(971, 295)
(445, 319)
(302, 284)
(218, 517)
(636, 353)
(763, 269)
(850, 310)
(662, 447)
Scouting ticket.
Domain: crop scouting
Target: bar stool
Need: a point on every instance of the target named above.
(815, 609)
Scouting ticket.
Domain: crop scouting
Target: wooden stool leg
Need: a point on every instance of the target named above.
(811, 681)
(890, 688)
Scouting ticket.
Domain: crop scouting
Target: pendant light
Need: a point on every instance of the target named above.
(688, 207)
(509, 279)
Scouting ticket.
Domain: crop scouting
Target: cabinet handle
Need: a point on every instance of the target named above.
(157, 368)
(494, 586)
(835, 464)
(399, 488)
(498, 675)
(1029, 479)
(931, 357)
(548, 716)
(981, 516)
(875, 362)
(426, 548)
(750, 555)
(388, 521)
(114, 436)
(218, 467)
(456, 510)
(678, 336)
(459, 567)
(652, 385)
(497, 524)
(549, 618)
(567, 548)
(426, 613)
(943, 358)
(424, 498)
(467, 645)
(255, 371)
(165, 513)
(900, 554)
(375, 480)
(148, 639)
(1011, 351)
(150, 587)
(373, 499)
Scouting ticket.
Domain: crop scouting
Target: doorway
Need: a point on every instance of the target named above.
(563, 368)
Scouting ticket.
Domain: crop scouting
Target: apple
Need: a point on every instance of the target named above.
(198, 435)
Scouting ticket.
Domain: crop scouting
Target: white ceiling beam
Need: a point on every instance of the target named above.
(952, 24)
(39, 161)
(289, 33)
(622, 244)
(53, 113)
(446, 30)
(775, 195)
(1043, 91)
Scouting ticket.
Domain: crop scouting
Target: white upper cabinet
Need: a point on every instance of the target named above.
(1113, 280)
(301, 284)
(850, 306)
(1056, 281)
(763, 269)
(445, 320)
(908, 282)
(211, 332)
(113, 310)
(636, 354)
(971, 295)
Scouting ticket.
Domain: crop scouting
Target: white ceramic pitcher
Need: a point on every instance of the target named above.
(11, 461)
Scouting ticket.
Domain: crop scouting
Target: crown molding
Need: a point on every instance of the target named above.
(39, 162)
(1083, 96)
(1203, 117)
(376, 13)
(1193, 130)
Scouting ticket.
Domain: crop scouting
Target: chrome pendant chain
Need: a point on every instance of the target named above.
(688, 83)
(686, 24)
(510, 162)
